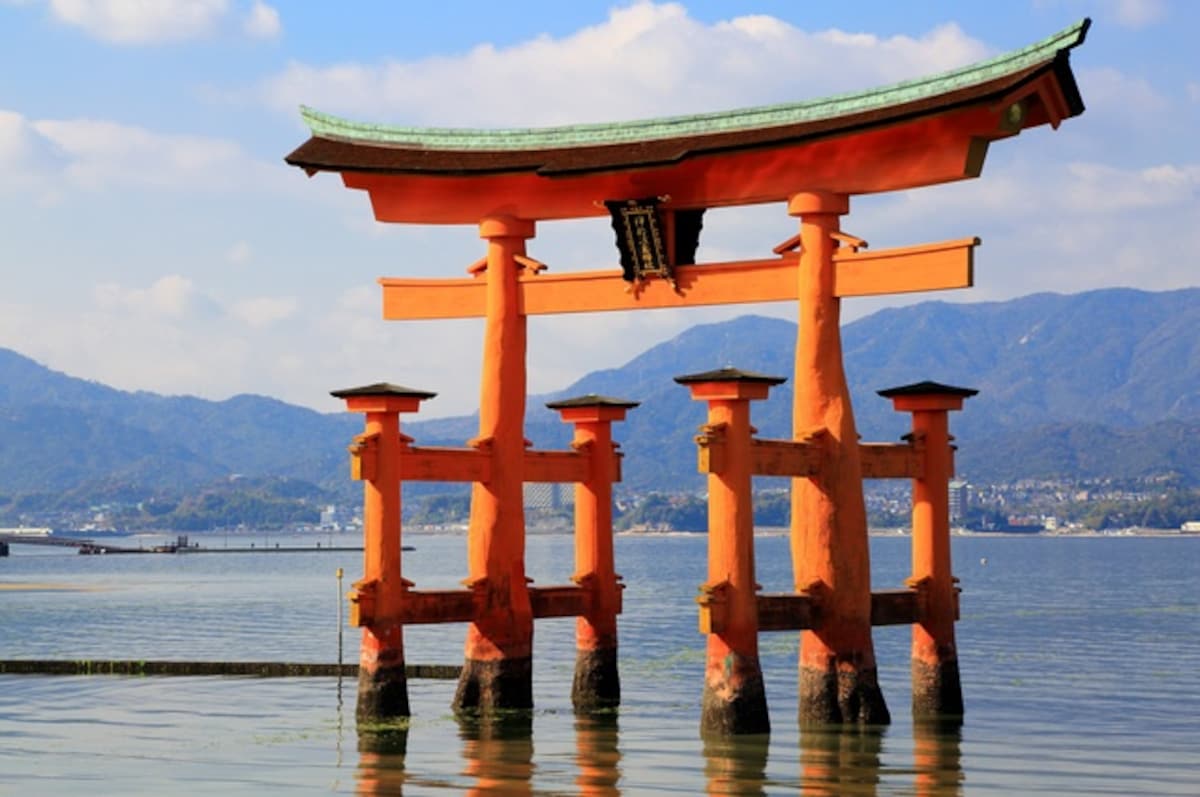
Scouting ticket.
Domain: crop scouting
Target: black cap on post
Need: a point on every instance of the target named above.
(927, 388)
(592, 400)
(730, 374)
(382, 389)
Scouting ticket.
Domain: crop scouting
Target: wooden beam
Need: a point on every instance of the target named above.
(426, 607)
(785, 458)
(906, 153)
(895, 607)
(560, 601)
(928, 267)
(890, 461)
(798, 458)
(939, 266)
(556, 466)
(740, 282)
(785, 611)
(437, 464)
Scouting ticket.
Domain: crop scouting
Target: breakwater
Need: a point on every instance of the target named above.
(259, 669)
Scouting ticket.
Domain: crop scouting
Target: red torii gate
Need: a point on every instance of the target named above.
(655, 178)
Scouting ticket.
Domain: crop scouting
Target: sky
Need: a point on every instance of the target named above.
(152, 238)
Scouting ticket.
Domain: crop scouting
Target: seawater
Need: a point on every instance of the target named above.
(1080, 661)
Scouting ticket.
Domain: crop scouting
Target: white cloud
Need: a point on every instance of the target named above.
(95, 154)
(27, 159)
(1095, 188)
(1137, 13)
(644, 60)
(1193, 91)
(265, 310)
(1061, 195)
(141, 21)
(1108, 91)
(262, 22)
(103, 152)
(1064, 227)
(239, 253)
(173, 296)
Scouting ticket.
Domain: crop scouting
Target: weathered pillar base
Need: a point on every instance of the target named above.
(382, 693)
(838, 695)
(597, 684)
(936, 689)
(495, 685)
(734, 700)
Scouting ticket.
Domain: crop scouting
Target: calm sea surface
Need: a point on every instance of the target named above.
(1080, 661)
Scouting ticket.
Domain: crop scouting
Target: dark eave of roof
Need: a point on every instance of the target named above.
(356, 151)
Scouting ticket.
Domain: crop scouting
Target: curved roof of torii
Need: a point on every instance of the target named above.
(919, 132)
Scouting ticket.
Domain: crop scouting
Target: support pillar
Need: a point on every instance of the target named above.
(378, 597)
(734, 699)
(830, 553)
(497, 671)
(936, 686)
(597, 684)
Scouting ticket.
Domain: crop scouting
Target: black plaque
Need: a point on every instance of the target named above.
(640, 239)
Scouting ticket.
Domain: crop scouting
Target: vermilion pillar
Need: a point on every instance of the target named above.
(830, 555)
(497, 673)
(937, 689)
(597, 683)
(734, 700)
(377, 598)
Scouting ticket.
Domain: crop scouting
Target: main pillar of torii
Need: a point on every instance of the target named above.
(655, 178)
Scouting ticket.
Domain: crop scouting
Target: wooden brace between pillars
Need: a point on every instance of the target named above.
(803, 458)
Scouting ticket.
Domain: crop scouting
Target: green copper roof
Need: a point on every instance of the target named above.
(515, 139)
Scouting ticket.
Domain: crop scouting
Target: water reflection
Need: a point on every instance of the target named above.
(736, 764)
(597, 753)
(937, 758)
(840, 761)
(381, 752)
(498, 752)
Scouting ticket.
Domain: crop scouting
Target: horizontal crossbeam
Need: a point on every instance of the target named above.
(438, 464)
(428, 607)
(791, 612)
(802, 458)
(937, 266)
(556, 466)
(890, 461)
(785, 458)
(785, 611)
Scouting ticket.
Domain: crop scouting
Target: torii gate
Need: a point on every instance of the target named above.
(654, 179)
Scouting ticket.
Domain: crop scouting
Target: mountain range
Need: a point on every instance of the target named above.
(1098, 384)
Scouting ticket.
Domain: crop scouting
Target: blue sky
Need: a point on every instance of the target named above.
(152, 238)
